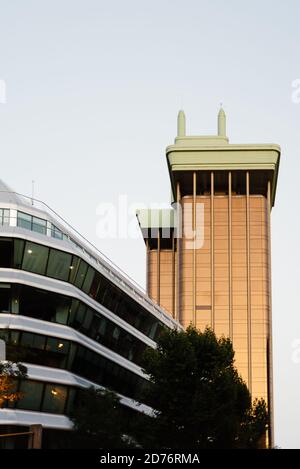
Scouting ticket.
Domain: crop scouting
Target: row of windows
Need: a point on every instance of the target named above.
(39, 225)
(29, 222)
(42, 226)
(54, 307)
(43, 397)
(58, 353)
(33, 257)
(32, 223)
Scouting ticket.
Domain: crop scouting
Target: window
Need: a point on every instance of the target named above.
(5, 294)
(88, 280)
(81, 313)
(62, 311)
(6, 252)
(56, 352)
(86, 323)
(81, 274)
(56, 232)
(4, 216)
(44, 305)
(33, 340)
(32, 395)
(73, 269)
(71, 398)
(29, 222)
(24, 220)
(54, 399)
(39, 225)
(59, 264)
(57, 345)
(95, 285)
(73, 309)
(18, 253)
(35, 258)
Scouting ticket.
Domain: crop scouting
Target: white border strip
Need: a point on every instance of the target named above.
(27, 417)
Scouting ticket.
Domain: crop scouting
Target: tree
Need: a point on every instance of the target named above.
(99, 421)
(9, 373)
(200, 401)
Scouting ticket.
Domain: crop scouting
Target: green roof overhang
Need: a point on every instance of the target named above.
(228, 157)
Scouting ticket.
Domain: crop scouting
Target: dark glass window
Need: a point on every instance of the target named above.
(95, 285)
(62, 308)
(87, 320)
(54, 399)
(35, 258)
(44, 305)
(6, 252)
(57, 345)
(14, 337)
(18, 253)
(33, 340)
(57, 352)
(5, 295)
(98, 328)
(59, 264)
(81, 272)
(80, 314)
(32, 395)
(73, 268)
(88, 280)
(73, 310)
(4, 335)
(70, 401)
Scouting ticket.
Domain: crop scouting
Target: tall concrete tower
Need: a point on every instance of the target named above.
(209, 257)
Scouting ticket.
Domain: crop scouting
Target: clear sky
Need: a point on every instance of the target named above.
(93, 89)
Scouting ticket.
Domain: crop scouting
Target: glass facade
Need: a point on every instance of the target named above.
(59, 353)
(42, 260)
(54, 307)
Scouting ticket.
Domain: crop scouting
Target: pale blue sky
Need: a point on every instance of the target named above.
(93, 91)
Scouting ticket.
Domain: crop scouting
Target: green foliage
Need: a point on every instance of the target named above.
(10, 373)
(200, 400)
(99, 420)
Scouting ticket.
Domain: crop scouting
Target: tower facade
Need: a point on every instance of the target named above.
(209, 258)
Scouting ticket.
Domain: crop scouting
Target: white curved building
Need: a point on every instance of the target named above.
(68, 314)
